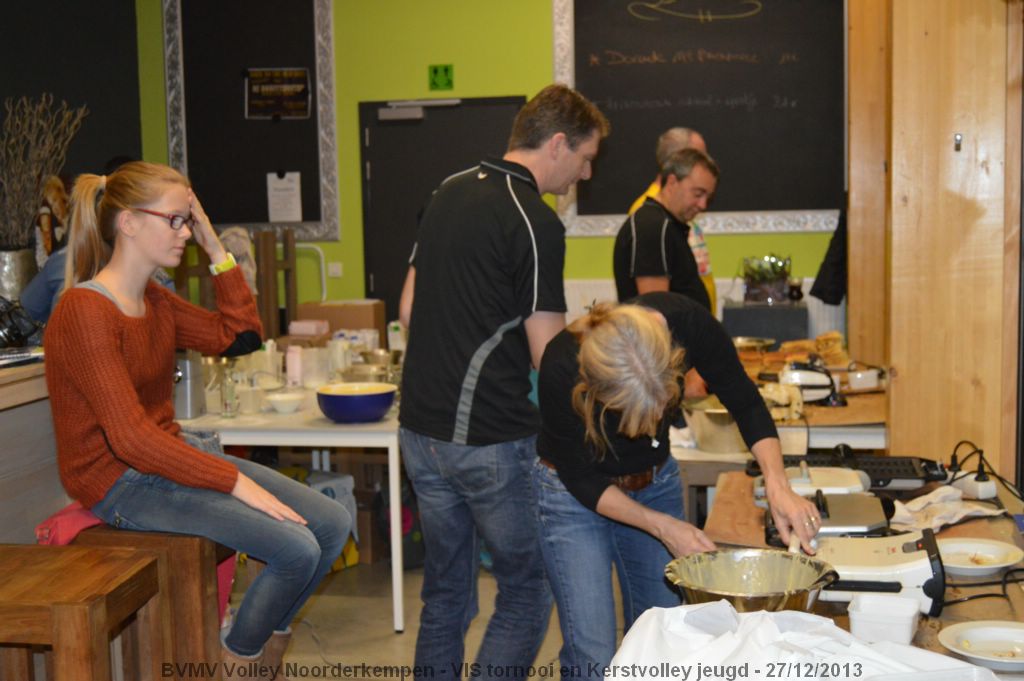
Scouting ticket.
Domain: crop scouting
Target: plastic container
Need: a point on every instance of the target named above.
(883, 617)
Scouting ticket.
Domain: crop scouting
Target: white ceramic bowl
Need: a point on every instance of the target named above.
(285, 403)
(866, 379)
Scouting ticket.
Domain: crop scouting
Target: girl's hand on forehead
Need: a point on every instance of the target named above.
(203, 232)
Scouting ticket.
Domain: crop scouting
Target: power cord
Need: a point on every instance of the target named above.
(1004, 582)
(316, 639)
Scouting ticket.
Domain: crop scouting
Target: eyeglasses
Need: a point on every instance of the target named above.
(175, 221)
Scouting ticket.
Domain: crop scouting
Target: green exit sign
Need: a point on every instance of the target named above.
(441, 76)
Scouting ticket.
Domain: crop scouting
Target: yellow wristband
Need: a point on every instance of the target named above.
(228, 264)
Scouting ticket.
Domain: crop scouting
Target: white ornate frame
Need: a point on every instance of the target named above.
(328, 227)
(712, 222)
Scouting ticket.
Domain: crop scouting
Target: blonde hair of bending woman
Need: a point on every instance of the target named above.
(628, 365)
(96, 201)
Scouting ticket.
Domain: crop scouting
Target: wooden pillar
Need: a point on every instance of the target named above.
(947, 317)
(869, 23)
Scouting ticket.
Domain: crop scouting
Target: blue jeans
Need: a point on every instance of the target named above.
(580, 546)
(464, 492)
(297, 556)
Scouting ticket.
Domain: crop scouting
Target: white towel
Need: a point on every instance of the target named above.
(942, 506)
(711, 641)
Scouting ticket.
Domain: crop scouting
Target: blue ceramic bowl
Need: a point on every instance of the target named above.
(355, 402)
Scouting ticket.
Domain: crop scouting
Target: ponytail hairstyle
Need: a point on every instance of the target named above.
(97, 200)
(628, 365)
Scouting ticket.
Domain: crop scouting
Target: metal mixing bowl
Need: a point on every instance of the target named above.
(752, 343)
(713, 427)
(752, 579)
(381, 356)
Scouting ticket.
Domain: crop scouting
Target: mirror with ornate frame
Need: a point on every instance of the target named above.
(327, 227)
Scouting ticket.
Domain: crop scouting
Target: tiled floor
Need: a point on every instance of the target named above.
(349, 622)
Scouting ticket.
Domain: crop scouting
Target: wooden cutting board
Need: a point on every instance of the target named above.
(734, 519)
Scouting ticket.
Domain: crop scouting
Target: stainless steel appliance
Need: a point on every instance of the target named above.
(189, 396)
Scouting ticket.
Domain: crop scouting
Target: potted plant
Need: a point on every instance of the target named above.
(765, 279)
(34, 142)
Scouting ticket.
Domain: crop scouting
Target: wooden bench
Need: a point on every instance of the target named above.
(75, 599)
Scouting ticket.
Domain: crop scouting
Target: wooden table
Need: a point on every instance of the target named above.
(309, 428)
(734, 519)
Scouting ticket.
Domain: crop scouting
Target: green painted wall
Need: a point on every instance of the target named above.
(153, 102)
(382, 51)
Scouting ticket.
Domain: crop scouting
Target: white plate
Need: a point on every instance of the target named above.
(990, 643)
(969, 557)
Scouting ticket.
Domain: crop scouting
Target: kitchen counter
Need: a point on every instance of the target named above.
(22, 384)
(30, 488)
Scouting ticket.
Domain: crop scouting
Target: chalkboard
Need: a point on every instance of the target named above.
(762, 80)
(229, 156)
(82, 53)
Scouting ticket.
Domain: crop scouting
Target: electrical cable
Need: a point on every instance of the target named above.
(316, 639)
(1010, 487)
(957, 601)
(963, 468)
(1004, 582)
(956, 448)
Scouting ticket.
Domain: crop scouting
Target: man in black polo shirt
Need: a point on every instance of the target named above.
(482, 298)
(651, 251)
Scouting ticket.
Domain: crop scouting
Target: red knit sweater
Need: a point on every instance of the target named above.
(110, 379)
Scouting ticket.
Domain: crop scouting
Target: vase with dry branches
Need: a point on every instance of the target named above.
(34, 142)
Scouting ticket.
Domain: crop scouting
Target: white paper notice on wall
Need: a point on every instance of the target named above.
(284, 197)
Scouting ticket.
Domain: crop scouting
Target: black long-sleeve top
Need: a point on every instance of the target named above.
(708, 349)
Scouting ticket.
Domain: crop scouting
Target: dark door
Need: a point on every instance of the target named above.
(408, 148)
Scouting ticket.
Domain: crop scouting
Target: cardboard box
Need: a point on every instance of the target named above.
(367, 313)
(303, 341)
(373, 545)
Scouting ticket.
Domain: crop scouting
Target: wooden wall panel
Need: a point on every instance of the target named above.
(867, 247)
(947, 219)
(1008, 459)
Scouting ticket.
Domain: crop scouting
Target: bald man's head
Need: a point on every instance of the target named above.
(675, 140)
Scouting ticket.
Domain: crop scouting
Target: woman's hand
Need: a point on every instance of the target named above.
(790, 511)
(251, 494)
(203, 232)
(681, 538)
(793, 513)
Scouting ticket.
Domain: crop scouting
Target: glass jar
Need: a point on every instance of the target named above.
(230, 380)
(221, 380)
